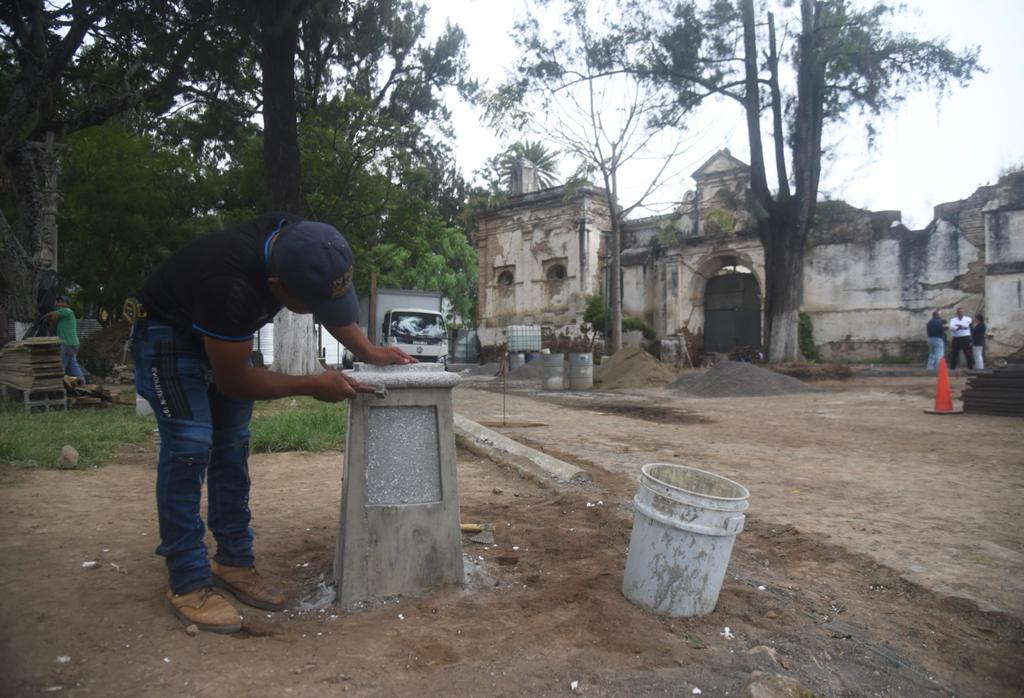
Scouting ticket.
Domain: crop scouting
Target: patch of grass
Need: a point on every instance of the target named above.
(891, 359)
(35, 440)
(297, 424)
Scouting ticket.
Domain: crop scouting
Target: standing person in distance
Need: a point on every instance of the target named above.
(978, 341)
(64, 324)
(960, 327)
(936, 329)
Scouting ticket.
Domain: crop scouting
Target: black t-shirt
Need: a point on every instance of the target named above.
(216, 285)
(978, 334)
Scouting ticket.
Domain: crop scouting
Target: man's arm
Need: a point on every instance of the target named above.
(235, 377)
(356, 342)
(52, 317)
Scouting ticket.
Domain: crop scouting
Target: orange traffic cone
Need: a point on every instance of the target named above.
(943, 394)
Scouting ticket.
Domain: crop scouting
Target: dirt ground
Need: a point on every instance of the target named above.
(882, 556)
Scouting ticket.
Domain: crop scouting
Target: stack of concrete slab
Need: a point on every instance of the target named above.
(998, 392)
(32, 364)
(33, 368)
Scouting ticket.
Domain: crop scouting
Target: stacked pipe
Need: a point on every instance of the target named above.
(997, 392)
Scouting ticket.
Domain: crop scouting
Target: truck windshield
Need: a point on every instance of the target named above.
(421, 326)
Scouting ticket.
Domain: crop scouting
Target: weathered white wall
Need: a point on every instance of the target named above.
(1004, 280)
(527, 237)
(877, 294)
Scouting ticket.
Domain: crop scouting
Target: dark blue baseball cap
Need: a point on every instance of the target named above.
(314, 262)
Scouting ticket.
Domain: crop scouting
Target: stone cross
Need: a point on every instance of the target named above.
(399, 528)
(45, 154)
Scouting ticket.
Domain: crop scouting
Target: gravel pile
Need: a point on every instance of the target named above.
(737, 379)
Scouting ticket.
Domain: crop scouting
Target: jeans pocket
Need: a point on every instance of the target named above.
(163, 370)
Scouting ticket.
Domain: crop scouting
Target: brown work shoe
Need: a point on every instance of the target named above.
(206, 609)
(247, 586)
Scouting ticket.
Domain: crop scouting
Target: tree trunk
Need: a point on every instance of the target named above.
(295, 346)
(296, 351)
(783, 221)
(19, 254)
(784, 285)
(785, 240)
(615, 290)
(282, 176)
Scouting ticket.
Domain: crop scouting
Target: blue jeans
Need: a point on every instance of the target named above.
(203, 434)
(936, 348)
(69, 359)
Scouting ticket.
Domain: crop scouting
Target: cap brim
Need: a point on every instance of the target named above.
(343, 310)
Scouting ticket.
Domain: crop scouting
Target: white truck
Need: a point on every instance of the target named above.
(411, 320)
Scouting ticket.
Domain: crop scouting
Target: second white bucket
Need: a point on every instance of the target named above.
(684, 528)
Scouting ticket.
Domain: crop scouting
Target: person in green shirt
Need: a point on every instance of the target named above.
(65, 325)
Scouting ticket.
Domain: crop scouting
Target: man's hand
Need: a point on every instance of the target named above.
(385, 356)
(234, 376)
(333, 386)
(354, 340)
(360, 387)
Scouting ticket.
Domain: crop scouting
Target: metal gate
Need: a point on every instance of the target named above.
(732, 313)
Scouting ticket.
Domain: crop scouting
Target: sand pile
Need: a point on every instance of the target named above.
(737, 379)
(633, 367)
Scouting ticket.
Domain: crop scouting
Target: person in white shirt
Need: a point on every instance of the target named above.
(960, 327)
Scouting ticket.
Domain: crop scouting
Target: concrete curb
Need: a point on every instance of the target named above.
(529, 462)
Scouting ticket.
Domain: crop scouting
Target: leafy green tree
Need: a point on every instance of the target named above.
(386, 201)
(201, 75)
(70, 65)
(127, 204)
(846, 62)
(596, 313)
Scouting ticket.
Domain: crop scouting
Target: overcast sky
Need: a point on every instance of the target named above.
(927, 153)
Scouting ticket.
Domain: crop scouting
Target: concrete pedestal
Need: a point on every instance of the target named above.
(399, 528)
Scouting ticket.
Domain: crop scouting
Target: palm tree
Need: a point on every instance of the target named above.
(542, 157)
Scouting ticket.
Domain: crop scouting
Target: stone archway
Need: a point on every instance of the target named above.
(726, 295)
(732, 312)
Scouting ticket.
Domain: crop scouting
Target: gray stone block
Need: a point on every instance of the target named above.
(399, 526)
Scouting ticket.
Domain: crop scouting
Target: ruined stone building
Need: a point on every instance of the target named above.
(870, 283)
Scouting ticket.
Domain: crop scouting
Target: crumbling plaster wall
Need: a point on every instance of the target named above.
(638, 286)
(526, 238)
(870, 284)
(874, 296)
(1004, 281)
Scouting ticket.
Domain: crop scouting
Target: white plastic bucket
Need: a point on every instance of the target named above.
(554, 371)
(684, 528)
